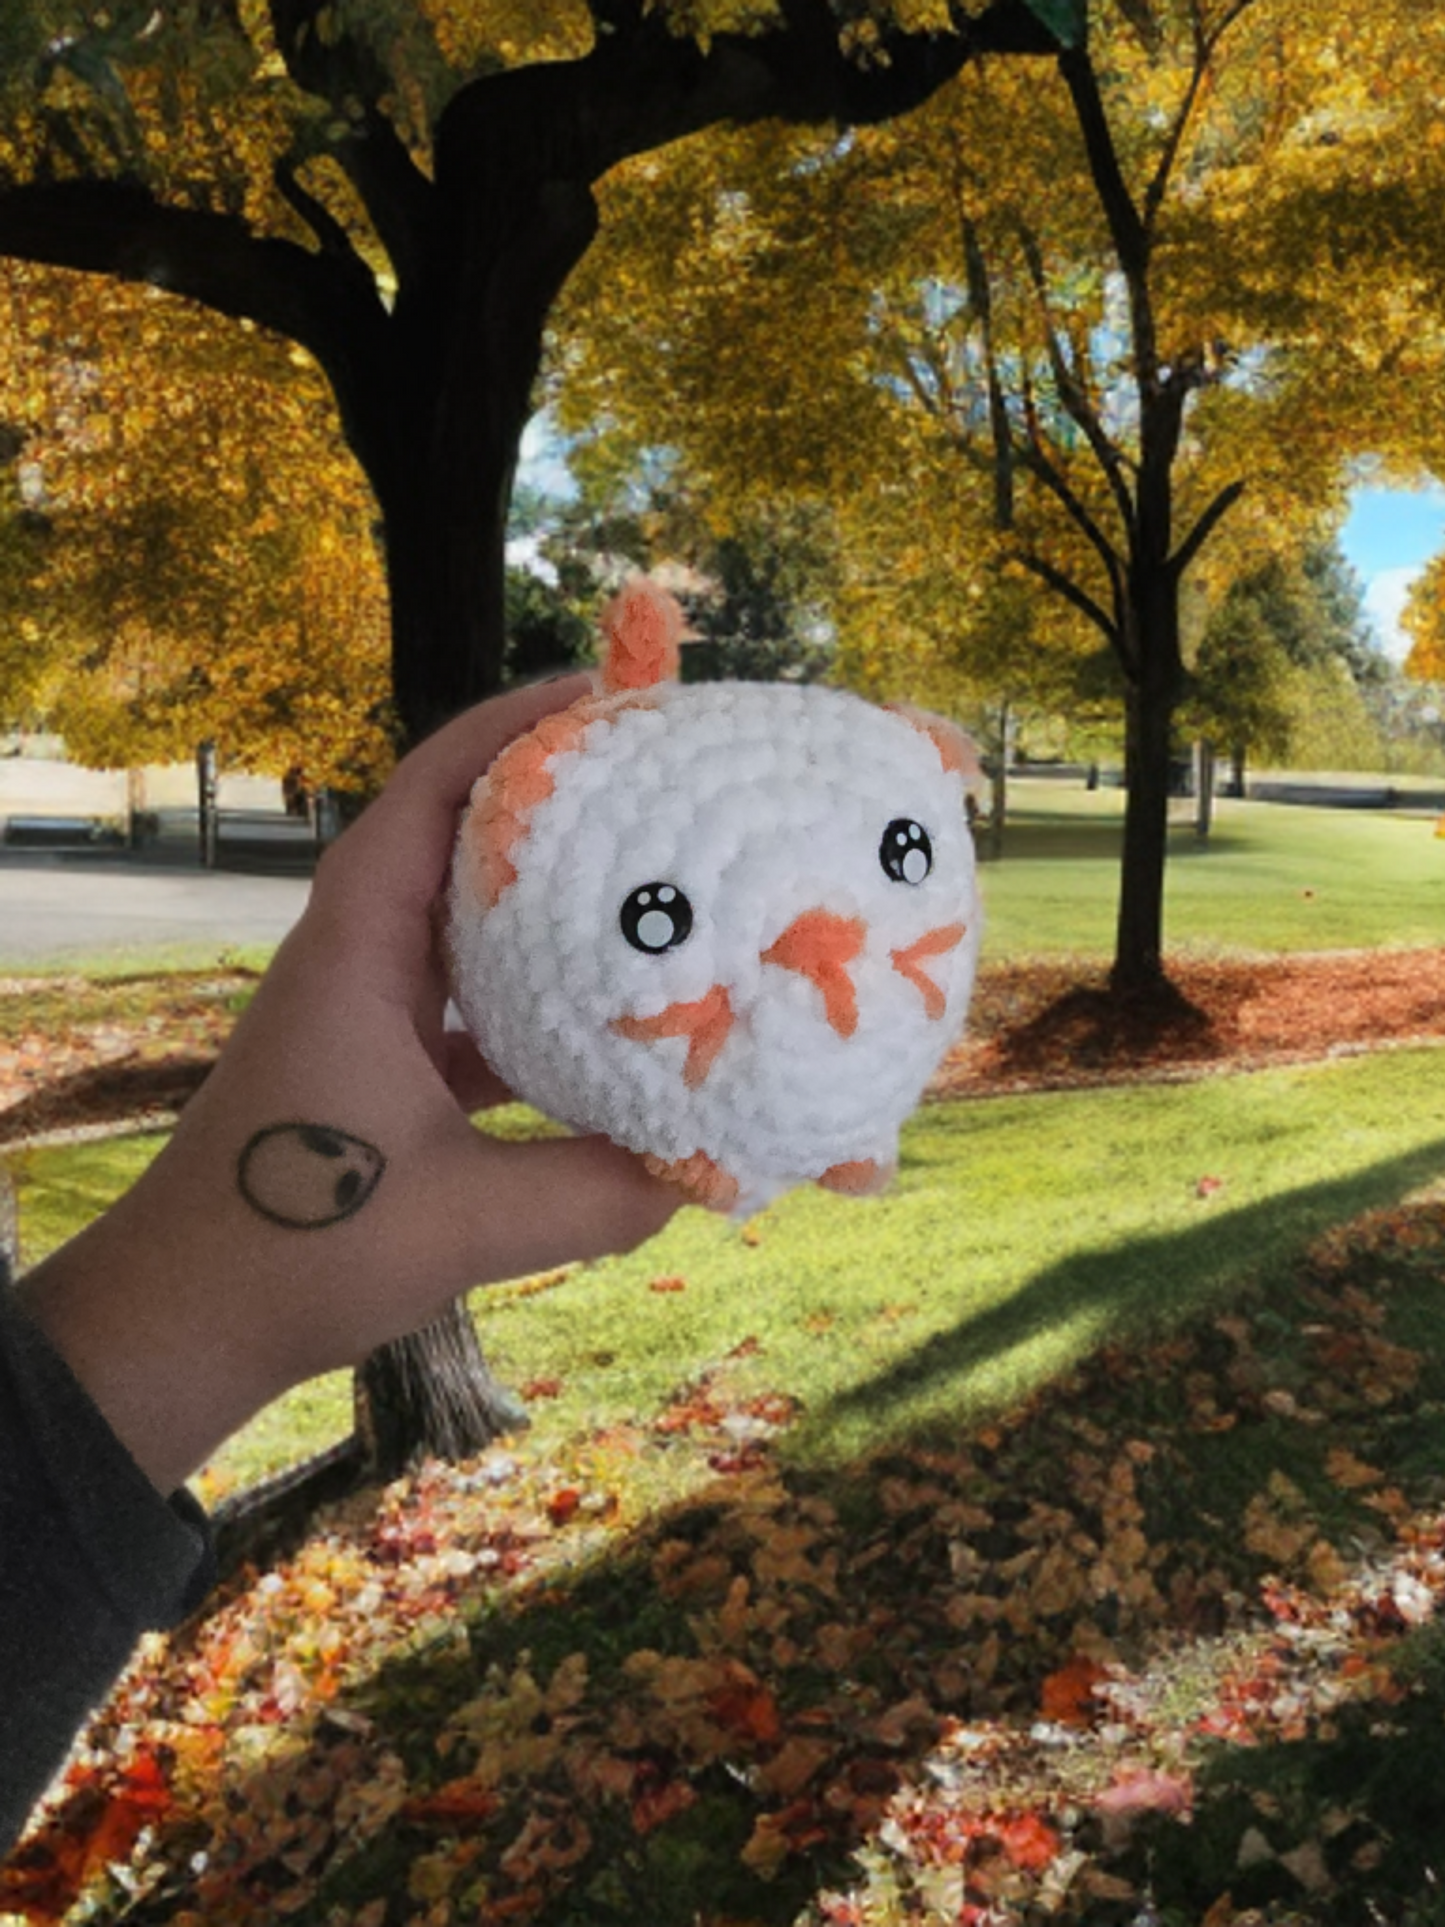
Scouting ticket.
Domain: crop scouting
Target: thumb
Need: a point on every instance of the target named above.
(520, 1208)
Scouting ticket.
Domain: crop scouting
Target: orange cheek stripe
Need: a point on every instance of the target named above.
(820, 947)
(908, 962)
(706, 1024)
(517, 782)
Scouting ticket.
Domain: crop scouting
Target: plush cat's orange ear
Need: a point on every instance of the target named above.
(956, 750)
(642, 626)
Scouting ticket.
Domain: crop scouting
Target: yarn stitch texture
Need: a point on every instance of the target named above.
(734, 926)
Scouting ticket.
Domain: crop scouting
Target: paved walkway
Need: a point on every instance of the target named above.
(57, 909)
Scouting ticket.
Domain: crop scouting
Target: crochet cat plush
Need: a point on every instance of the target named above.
(734, 926)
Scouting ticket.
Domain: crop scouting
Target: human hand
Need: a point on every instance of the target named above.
(324, 1191)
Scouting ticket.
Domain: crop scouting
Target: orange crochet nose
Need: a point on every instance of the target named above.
(820, 946)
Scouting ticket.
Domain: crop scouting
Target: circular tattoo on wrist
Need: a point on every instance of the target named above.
(308, 1176)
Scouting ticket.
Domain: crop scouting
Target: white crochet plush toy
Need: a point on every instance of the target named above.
(731, 925)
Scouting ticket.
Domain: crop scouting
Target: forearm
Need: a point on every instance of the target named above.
(322, 1195)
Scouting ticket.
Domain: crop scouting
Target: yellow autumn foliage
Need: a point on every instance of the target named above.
(210, 569)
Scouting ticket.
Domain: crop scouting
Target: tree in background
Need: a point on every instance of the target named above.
(757, 592)
(1013, 293)
(209, 568)
(1424, 622)
(1285, 656)
(24, 551)
(401, 188)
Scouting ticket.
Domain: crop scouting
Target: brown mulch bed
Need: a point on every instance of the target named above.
(1033, 1026)
(1050, 1026)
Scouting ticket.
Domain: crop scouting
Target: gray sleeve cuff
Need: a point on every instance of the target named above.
(91, 1556)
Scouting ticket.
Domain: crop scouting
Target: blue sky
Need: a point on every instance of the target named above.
(1389, 535)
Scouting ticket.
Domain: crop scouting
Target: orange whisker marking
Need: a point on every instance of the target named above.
(704, 1182)
(908, 962)
(706, 1024)
(821, 946)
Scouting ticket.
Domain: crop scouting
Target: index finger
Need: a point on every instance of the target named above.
(405, 838)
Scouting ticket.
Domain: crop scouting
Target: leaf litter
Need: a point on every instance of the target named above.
(1161, 1648)
(1147, 1650)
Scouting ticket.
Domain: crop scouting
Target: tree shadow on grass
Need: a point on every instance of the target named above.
(108, 1094)
(1138, 1287)
(770, 1658)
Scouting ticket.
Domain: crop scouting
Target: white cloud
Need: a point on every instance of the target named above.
(1384, 600)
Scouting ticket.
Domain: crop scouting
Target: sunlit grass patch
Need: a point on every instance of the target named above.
(1271, 877)
(1022, 1234)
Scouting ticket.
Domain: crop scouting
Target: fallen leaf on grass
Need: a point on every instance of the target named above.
(1068, 1694)
(1137, 1793)
(564, 1505)
(96, 1825)
(456, 1805)
(657, 1805)
(542, 1388)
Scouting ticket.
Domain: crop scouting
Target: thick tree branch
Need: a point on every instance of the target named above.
(1204, 528)
(642, 86)
(397, 195)
(327, 304)
(1126, 228)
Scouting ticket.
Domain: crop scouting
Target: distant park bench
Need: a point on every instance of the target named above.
(59, 832)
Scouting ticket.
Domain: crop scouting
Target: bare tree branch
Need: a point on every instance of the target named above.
(1072, 392)
(1036, 460)
(1205, 44)
(1065, 586)
(1223, 502)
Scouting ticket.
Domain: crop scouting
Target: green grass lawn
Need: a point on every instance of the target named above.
(1022, 1234)
(1272, 877)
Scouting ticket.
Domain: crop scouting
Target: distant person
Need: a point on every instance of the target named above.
(322, 1194)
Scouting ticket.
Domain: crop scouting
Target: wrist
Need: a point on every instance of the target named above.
(154, 1330)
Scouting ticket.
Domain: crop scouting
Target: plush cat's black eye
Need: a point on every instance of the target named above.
(656, 917)
(905, 852)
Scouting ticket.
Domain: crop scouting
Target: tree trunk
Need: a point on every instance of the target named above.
(469, 338)
(1204, 788)
(1139, 937)
(207, 812)
(1152, 694)
(431, 1393)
